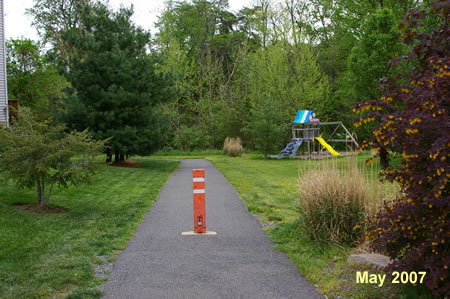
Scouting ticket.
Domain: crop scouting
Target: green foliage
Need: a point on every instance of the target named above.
(265, 126)
(194, 137)
(31, 79)
(291, 77)
(51, 19)
(202, 51)
(412, 117)
(368, 60)
(41, 154)
(118, 91)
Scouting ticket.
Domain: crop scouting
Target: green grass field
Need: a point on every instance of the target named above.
(52, 255)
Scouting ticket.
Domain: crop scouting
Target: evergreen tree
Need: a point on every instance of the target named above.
(266, 126)
(118, 91)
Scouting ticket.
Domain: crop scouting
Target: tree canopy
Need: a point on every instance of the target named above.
(31, 79)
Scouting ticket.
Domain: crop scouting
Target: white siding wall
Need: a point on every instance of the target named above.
(3, 86)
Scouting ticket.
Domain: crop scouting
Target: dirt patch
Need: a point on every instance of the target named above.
(34, 207)
(315, 155)
(262, 222)
(128, 163)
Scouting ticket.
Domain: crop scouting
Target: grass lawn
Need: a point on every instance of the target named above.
(52, 255)
(269, 189)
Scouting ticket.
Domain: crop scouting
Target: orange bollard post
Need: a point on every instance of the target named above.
(198, 180)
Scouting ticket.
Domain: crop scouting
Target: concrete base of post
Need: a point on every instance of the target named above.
(191, 233)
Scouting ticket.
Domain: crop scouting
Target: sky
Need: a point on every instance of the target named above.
(18, 25)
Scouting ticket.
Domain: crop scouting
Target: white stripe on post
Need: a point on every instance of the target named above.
(197, 191)
(198, 180)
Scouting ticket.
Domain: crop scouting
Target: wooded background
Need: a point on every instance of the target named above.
(208, 73)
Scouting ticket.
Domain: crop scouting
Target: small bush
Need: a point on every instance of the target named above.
(333, 202)
(232, 147)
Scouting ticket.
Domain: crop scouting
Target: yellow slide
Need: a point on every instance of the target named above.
(327, 146)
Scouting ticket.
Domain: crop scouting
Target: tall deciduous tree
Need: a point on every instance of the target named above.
(53, 17)
(31, 79)
(291, 77)
(117, 88)
(368, 60)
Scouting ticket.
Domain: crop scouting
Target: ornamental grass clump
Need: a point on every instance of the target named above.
(334, 201)
(232, 147)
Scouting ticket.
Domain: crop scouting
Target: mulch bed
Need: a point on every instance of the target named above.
(323, 155)
(34, 207)
(128, 163)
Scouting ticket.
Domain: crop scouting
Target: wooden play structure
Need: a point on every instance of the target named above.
(307, 136)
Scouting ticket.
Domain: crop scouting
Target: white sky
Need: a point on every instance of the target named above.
(18, 25)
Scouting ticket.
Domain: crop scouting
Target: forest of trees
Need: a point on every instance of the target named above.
(208, 73)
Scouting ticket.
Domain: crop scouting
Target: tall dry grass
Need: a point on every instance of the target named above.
(232, 147)
(334, 197)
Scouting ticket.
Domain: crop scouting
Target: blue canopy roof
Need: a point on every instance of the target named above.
(303, 116)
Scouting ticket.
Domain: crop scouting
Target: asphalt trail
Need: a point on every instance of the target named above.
(237, 263)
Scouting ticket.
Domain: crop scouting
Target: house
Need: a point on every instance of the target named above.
(4, 117)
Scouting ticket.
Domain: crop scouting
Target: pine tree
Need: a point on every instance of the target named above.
(118, 91)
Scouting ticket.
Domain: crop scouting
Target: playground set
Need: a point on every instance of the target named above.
(306, 131)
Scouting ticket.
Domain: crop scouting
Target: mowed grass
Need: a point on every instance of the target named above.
(270, 189)
(52, 255)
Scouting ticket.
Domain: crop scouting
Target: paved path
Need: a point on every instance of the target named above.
(237, 263)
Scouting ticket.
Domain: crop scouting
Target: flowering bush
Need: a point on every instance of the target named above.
(411, 122)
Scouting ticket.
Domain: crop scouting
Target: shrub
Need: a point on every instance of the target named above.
(412, 122)
(334, 201)
(232, 147)
(193, 138)
(40, 154)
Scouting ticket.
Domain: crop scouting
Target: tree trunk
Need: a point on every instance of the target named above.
(41, 192)
(180, 137)
(290, 8)
(108, 156)
(211, 121)
(122, 157)
(116, 157)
